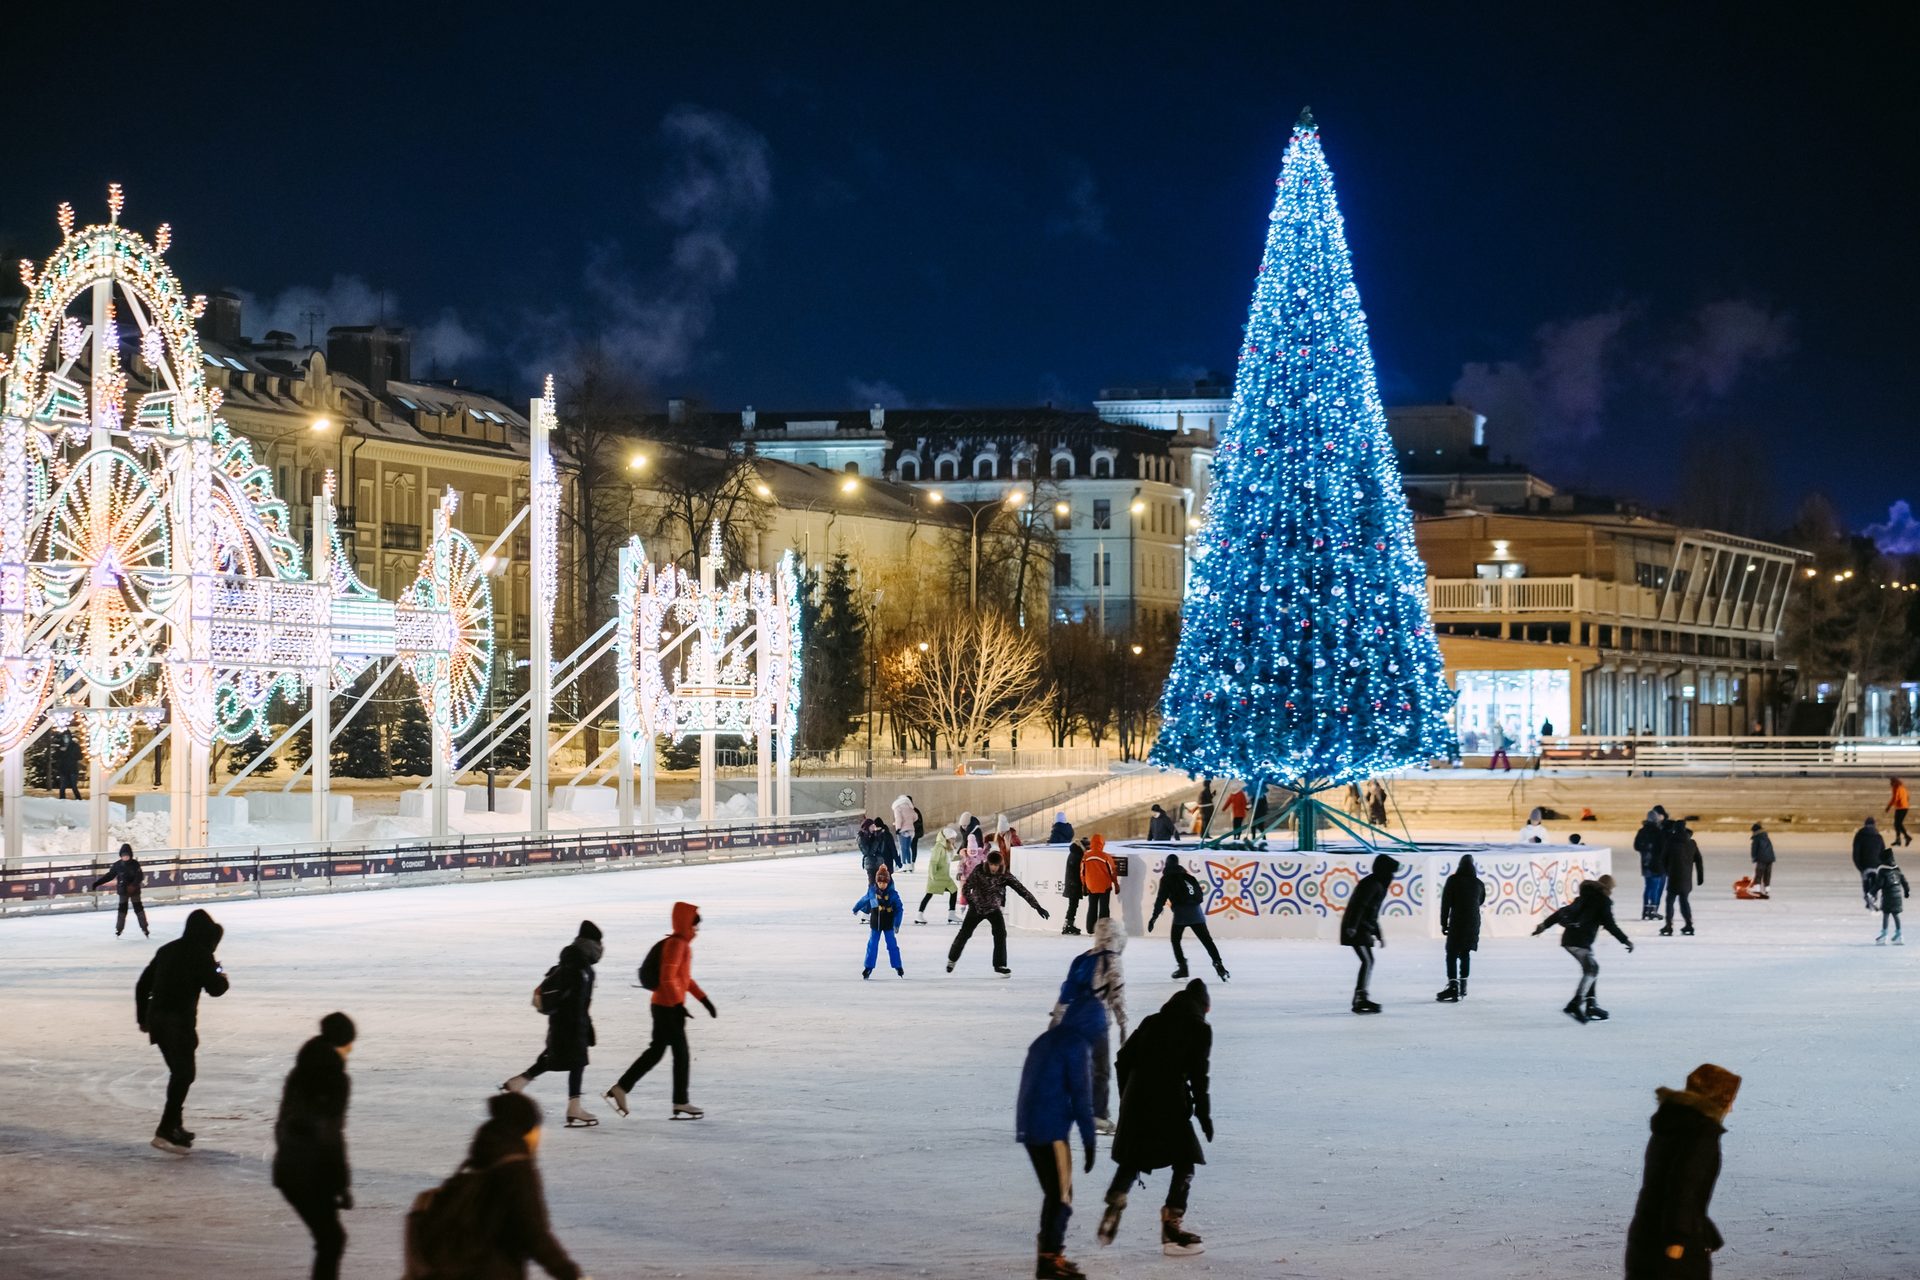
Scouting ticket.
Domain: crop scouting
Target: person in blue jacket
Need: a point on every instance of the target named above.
(1056, 1097)
(883, 910)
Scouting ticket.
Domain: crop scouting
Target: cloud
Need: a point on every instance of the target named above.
(1727, 338)
(445, 345)
(866, 393)
(1557, 397)
(1085, 214)
(1899, 535)
(441, 347)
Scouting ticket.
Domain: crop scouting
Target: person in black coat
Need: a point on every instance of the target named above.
(490, 1219)
(1184, 894)
(566, 997)
(1671, 1236)
(1163, 1069)
(1072, 887)
(1460, 902)
(127, 877)
(1062, 831)
(1583, 918)
(1650, 842)
(1867, 848)
(1160, 826)
(1360, 924)
(66, 764)
(1206, 807)
(166, 1004)
(1760, 849)
(1685, 869)
(310, 1141)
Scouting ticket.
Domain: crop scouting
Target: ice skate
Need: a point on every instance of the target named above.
(902, 972)
(1110, 1221)
(1666, 931)
(1686, 931)
(169, 1140)
(1880, 939)
(949, 966)
(515, 1084)
(1363, 1005)
(1463, 988)
(1175, 1240)
(1103, 1125)
(686, 1111)
(1896, 939)
(866, 973)
(578, 1117)
(618, 1097)
(921, 918)
(953, 917)
(1576, 1011)
(1068, 931)
(1180, 973)
(1595, 1013)
(1054, 1266)
(1003, 971)
(1222, 971)
(1449, 996)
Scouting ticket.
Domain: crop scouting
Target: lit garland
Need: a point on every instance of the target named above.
(1306, 655)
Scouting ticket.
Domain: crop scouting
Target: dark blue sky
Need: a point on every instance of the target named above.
(1611, 232)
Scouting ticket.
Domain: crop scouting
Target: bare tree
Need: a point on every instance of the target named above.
(979, 674)
(689, 488)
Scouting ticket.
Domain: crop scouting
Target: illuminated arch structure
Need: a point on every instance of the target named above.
(148, 570)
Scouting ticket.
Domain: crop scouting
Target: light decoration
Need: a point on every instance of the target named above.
(1307, 657)
(544, 496)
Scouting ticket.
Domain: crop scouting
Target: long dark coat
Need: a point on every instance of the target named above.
(568, 996)
(1685, 868)
(1163, 1087)
(1683, 1162)
(310, 1134)
(1460, 903)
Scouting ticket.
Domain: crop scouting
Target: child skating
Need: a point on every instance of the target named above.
(1584, 917)
(940, 874)
(1894, 891)
(883, 909)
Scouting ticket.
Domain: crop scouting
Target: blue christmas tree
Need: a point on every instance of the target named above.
(1307, 657)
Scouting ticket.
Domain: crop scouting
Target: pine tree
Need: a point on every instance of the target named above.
(245, 751)
(1307, 657)
(412, 746)
(833, 671)
(357, 750)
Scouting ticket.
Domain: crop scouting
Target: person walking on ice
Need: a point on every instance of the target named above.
(883, 908)
(1073, 887)
(1897, 805)
(1360, 924)
(1179, 890)
(1056, 1097)
(1583, 918)
(1894, 891)
(166, 1004)
(1650, 842)
(1671, 1235)
(940, 874)
(1163, 1089)
(986, 893)
(1460, 902)
(1761, 851)
(127, 877)
(565, 995)
(1867, 848)
(671, 965)
(310, 1141)
(1685, 869)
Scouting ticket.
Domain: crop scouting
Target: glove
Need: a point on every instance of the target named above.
(1087, 1166)
(1206, 1127)
(1151, 921)
(346, 1200)
(1629, 948)
(1045, 914)
(711, 1011)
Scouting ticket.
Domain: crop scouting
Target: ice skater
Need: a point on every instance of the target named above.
(310, 1141)
(1072, 886)
(904, 817)
(1180, 891)
(1360, 924)
(878, 848)
(1650, 842)
(1894, 891)
(986, 893)
(127, 878)
(940, 874)
(565, 995)
(490, 1218)
(883, 909)
(1685, 869)
(1671, 1234)
(1897, 806)
(1163, 1089)
(1098, 875)
(1583, 918)
(1098, 969)
(1760, 849)
(1056, 1097)
(672, 984)
(1867, 848)
(1236, 803)
(66, 764)
(1460, 902)
(166, 1003)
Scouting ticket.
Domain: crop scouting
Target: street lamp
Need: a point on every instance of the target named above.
(1012, 498)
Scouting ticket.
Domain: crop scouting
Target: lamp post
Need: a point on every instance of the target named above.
(1012, 498)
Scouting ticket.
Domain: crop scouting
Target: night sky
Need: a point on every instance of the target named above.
(1616, 234)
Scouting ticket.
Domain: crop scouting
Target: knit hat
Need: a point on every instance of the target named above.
(1198, 990)
(514, 1111)
(1754, 827)
(1060, 815)
(337, 1030)
(1716, 1084)
(590, 931)
(1871, 822)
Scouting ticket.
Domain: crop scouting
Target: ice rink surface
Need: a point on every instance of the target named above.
(866, 1128)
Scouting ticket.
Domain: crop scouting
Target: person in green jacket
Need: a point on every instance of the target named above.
(940, 874)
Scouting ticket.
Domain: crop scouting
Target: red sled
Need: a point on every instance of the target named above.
(1743, 888)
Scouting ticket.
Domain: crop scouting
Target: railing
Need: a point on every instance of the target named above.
(739, 762)
(1508, 595)
(1732, 756)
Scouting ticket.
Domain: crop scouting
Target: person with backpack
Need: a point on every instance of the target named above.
(1685, 869)
(1894, 891)
(1056, 1097)
(166, 1005)
(565, 995)
(1071, 884)
(878, 848)
(1099, 874)
(986, 894)
(1650, 842)
(1671, 1235)
(1163, 1088)
(127, 877)
(1867, 848)
(940, 874)
(310, 1141)
(1460, 902)
(883, 909)
(668, 973)
(1180, 891)
(1583, 918)
(1360, 924)
(1098, 970)
(489, 1220)
(1761, 851)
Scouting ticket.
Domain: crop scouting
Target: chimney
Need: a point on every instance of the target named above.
(676, 412)
(221, 323)
(747, 418)
(374, 354)
(876, 417)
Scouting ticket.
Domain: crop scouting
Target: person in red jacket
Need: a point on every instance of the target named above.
(670, 1015)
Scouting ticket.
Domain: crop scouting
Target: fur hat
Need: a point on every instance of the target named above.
(337, 1030)
(1715, 1084)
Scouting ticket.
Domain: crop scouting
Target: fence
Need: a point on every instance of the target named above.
(213, 874)
(853, 763)
(1732, 757)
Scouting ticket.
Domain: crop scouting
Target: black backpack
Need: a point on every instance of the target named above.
(445, 1233)
(650, 967)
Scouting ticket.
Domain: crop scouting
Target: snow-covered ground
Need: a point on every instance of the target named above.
(866, 1128)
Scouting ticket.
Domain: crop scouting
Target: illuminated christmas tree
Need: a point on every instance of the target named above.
(1307, 657)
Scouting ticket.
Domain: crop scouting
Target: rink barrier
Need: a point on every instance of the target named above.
(263, 870)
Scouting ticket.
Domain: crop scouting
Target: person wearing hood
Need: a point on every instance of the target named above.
(489, 1220)
(1056, 1097)
(1671, 1234)
(166, 1005)
(1098, 969)
(1099, 874)
(1583, 918)
(940, 874)
(1236, 803)
(1867, 848)
(883, 909)
(986, 891)
(878, 847)
(1360, 924)
(1180, 891)
(969, 829)
(1535, 832)
(1897, 805)
(670, 1016)
(310, 1141)
(904, 815)
(1685, 869)
(971, 857)
(127, 877)
(1650, 842)
(565, 995)
(1163, 1089)
(1160, 826)
(1062, 831)
(1894, 891)
(1072, 886)
(1760, 849)
(1460, 902)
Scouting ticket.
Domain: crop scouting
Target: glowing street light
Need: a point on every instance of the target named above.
(849, 485)
(637, 462)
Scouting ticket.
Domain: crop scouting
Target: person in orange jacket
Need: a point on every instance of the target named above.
(1897, 805)
(1237, 810)
(1098, 875)
(670, 991)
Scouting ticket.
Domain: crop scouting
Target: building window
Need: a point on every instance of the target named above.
(1022, 468)
(947, 468)
(1518, 701)
(1062, 569)
(986, 467)
(1062, 516)
(852, 468)
(1103, 569)
(1063, 466)
(1103, 513)
(1491, 570)
(909, 468)
(1650, 575)
(1102, 467)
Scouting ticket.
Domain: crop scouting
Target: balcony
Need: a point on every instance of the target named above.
(1485, 599)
